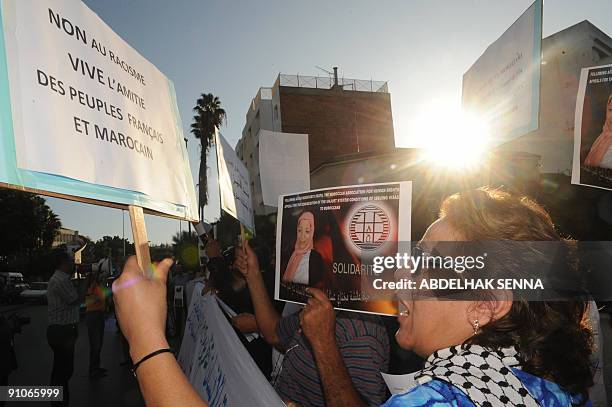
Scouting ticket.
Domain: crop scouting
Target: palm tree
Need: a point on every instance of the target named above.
(208, 116)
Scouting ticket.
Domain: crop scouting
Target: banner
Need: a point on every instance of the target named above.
(592, 165)
(503, 85)
(234, 184)
(283, 164)
(84, 108)
(328, 238)
(217, 364)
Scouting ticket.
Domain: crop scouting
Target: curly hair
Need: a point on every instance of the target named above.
(553, 338)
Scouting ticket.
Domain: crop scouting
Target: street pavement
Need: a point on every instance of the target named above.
(34, 358)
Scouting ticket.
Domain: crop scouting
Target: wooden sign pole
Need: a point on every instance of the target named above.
(141, 241)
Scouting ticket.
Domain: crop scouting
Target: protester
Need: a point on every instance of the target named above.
(95, 303)
(231, 287)
(361, 347)
(63, 311)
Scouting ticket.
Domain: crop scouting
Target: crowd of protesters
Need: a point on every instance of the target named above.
(487, 350)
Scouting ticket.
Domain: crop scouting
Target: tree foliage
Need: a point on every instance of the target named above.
(27, 224)
(209, 115)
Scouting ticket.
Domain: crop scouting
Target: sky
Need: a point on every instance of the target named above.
(232, 48)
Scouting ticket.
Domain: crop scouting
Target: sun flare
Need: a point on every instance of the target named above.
(452, 138)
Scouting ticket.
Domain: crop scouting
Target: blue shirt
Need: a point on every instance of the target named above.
(438, 393)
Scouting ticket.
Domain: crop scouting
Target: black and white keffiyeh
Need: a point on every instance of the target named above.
(484, 375)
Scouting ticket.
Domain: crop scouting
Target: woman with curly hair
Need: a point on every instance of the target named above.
(493, 348)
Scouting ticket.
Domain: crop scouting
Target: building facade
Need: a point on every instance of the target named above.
(341, 116)
(65, 237)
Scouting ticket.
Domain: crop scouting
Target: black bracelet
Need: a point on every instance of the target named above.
(149, 356)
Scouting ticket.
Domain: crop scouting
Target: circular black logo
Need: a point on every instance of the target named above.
(369, 227)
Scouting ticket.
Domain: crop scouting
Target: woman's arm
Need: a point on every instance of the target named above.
(265, 313)
(140, 306)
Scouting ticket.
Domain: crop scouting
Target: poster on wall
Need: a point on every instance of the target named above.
(85, 114)
(503, 86)
(328, 239)
(592, 164)
(234, 184)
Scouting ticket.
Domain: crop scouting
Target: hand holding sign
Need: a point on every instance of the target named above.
(212, 248)
(318, 320)
(140, 303)
(246, 260)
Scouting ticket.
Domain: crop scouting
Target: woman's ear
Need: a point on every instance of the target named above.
(491, 309)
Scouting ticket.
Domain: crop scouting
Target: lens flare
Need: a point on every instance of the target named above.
(452, 138)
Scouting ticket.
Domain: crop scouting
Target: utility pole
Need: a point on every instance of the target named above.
(188, 223)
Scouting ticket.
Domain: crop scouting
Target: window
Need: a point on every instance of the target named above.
(275, 112)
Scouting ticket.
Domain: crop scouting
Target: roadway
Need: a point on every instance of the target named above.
(34, 359)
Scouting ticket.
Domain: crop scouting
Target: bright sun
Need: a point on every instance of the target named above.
(452, 138)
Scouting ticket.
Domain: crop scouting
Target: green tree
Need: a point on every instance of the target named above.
(208, 116)
(161, 251)
(109, 246)
(27, 224)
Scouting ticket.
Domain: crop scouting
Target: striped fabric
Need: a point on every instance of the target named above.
(364, 346)
(60, 294)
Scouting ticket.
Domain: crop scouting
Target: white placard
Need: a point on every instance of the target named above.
(87, 106)
(217, 364)
(283, 164)
(503, 85)
(234, 184)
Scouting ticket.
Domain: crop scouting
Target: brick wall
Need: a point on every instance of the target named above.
(336, 121)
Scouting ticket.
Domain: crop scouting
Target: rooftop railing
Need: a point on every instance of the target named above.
(318, 82)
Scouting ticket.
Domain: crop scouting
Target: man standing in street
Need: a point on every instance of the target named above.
(63, 309)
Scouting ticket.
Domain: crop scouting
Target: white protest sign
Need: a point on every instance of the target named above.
(193, 326)
(283, 164)
(87, 106)
(217, 364)
(234, 184)
(503, 85)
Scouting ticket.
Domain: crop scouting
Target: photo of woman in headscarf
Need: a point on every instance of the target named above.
(600, 154)
(305, 265)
